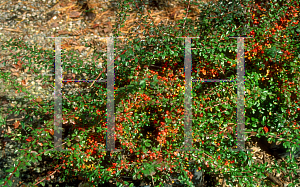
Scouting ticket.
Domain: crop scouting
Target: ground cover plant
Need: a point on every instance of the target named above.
(149, 90)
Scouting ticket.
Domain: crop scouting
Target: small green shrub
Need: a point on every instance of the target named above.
(150, 100)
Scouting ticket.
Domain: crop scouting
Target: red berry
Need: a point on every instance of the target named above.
(29, 139)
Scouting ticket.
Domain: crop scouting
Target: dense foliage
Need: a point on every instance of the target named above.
(149, 91)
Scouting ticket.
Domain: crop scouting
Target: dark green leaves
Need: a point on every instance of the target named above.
(10, 170)
(273, 51)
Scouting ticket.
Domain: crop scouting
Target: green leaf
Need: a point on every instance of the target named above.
(286, 144)
(9, 182)
(10, 170)
(146, 172)
(155, 78)
(17, 173)
(28, 163)
(147, 144)
(39, 158)
(143, 84)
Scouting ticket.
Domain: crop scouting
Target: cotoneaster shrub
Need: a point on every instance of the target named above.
(150, 100)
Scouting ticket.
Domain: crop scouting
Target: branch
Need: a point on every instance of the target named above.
(14, 170)
(23, 161)
(97, 77)
(46, 177)
(187, 11)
